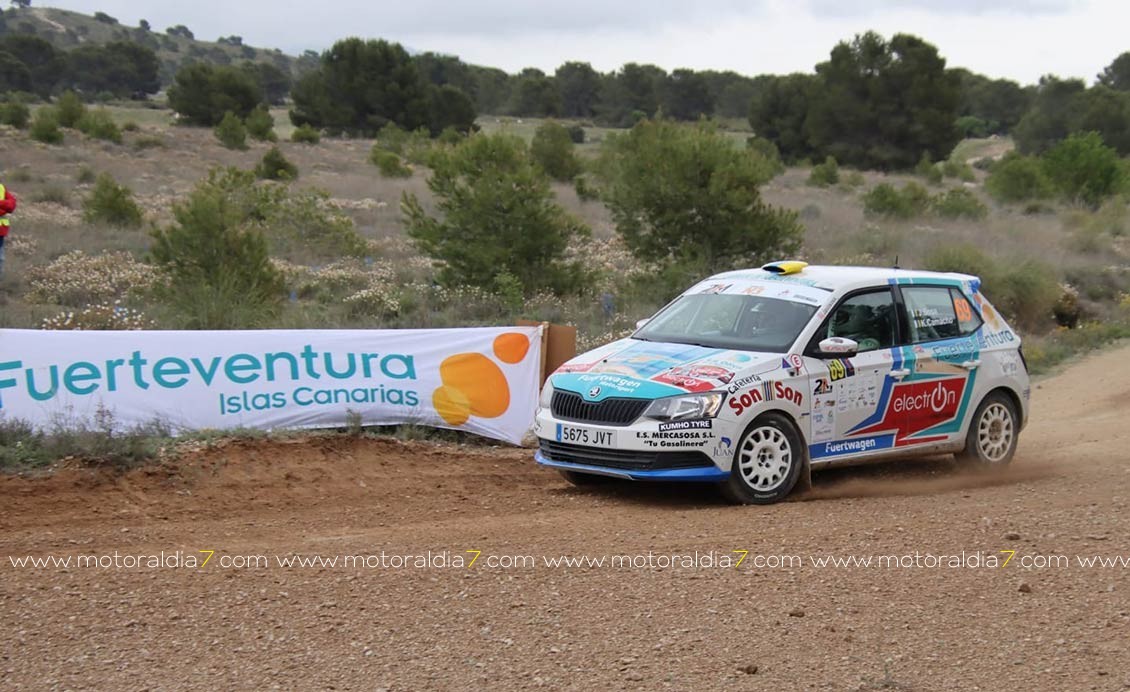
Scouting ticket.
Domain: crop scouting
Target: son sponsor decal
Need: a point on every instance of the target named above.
(769, 391)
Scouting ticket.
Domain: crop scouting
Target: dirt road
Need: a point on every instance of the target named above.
(771, 623)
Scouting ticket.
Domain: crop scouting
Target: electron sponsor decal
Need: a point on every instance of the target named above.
(917, 406)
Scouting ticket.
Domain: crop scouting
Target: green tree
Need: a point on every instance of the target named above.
(112, 204)
(360, 87)
(631, 93)
(778, 112)
(998, 104)
(685, 194)
(122, 68)
(14, 74)
(1084, 169)
(1117, 74)
(273, 81)
(69, 109)
(579, 86)
(450, 108)
(552, 148)
(881, 104)
(498, 219)
(275, 166)
(534, 95)
(203, 94)
(46, 66)
(1053, 116)
(231, 132)
(686, 96)
(216, 257)
(260, 124)
(1018, 178)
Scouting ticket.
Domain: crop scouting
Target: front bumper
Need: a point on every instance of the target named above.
(641, 451)
(699, 474)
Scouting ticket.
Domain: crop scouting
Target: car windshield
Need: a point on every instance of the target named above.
(729, 321)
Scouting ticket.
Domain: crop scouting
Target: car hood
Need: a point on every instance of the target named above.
(636, 369)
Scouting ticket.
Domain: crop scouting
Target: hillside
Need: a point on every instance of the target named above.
(66, 30)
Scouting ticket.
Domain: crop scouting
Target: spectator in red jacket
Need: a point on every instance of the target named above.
(7, 206)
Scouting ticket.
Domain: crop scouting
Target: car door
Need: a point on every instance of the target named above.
(849, 394)
(944, 356)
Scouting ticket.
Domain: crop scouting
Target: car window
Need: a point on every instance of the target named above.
(866, 318)
(737, 321)
(931, 313)
(968, 321)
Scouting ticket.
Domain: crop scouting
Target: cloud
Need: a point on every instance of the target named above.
(867, 8)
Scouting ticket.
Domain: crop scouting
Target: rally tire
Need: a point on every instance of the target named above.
(768, 462)
(993, 433)
(584, 480)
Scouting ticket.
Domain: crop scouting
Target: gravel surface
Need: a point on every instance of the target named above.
(686, 625)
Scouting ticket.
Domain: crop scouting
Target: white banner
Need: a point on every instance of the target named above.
(482, 380)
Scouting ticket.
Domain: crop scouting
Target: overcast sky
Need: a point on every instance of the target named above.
(1018, 39)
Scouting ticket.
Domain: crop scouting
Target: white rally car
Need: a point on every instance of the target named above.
(753, 377)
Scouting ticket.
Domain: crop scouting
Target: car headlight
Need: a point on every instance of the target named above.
(546, 394)
(685, 407)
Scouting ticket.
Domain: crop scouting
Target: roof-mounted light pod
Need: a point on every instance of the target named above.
(786, 267)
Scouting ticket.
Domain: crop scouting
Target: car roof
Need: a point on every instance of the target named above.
(835, 278)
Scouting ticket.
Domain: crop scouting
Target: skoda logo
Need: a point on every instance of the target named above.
(594, 392)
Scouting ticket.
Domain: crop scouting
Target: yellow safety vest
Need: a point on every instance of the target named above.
(4, 219)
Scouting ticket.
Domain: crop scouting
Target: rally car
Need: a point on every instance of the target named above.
(752, 378)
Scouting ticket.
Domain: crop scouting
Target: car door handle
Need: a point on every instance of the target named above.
(899, 374)
(971, 364)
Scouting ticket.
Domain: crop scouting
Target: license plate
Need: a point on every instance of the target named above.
(585, 436)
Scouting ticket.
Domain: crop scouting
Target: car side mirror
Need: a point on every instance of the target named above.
(836, 346)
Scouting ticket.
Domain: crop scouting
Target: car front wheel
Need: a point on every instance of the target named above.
(993, 433)
(767, 464)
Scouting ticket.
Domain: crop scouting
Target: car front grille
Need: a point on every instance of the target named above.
(625, 459)
(615, 411)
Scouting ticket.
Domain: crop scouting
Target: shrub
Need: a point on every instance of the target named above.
(389, 163)
(392, 138)
(15, 114)
(928, 170)
(45, 127)
(98, 124)
(86, 175)
(684, 194)
(825, 174)
(231, 132)
(260, 125)
(552, 149)
(53, 194)
(584, 189)
(577, 134)
(70, 109)
(959, 203)
(112, 204)
(854, 179)
(528, 240)
(78, 279)
(1017, 178)
(305, 134)
(130, 126)
(956, 168)
(884, 200)
(202, 93)
(148, 142)
(450, 136)
(1084, 169)
(275, 166)
(111, 316)
(216, 258)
